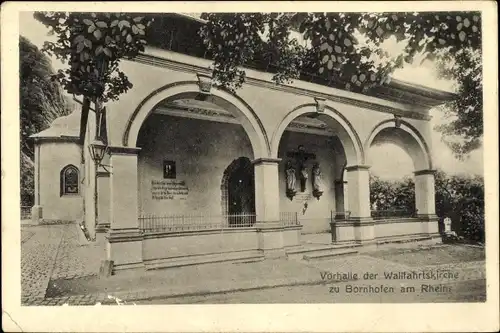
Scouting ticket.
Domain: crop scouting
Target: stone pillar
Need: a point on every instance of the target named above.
(267, 200)
(36, 210)
(359, 203)
(339, 199)
(124, 247)
(346, 196)
(359, 191)
(425, 201)
(267, 206)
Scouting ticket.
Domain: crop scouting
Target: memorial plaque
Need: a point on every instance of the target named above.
(169, 190)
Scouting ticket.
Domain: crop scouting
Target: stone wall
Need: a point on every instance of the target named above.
(201, 150)
(53, 157)
(316, 216)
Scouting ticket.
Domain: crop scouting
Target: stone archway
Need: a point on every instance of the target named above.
(191, 89)
(408, 138)
(344, 130)
(328, 141)
(238, 191)
(404, 135)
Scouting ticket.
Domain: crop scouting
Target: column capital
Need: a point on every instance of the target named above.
(357, 167)
(266, 160)
(120, 150)
(424, 172)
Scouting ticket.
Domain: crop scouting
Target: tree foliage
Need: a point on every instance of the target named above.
(464, 128)
(459, 197)
(93, 44)
(386, 195)
(342, 43)
(346, 49)
(41, 102)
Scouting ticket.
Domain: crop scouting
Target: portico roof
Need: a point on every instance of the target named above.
(66, 128)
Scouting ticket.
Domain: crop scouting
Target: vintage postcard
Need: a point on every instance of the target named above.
(238, 166)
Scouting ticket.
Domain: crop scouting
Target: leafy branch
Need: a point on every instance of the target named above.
(93, 45)
(348, 49)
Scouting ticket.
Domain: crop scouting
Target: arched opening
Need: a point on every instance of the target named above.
(195, 140)
(314, 149)
(396, 154)
(238, 192)
(217, 100)
(69, 180)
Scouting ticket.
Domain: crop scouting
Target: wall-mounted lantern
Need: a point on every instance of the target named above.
(97, 150)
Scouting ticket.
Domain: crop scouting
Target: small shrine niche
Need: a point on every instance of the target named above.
(298, 168)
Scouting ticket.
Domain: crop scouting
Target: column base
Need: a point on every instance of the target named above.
(124, 249)
(270, 238)
(364, 230)
(430, 226)
(36, 214)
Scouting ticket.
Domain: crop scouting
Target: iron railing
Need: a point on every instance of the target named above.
(392, 213)
(289, 219)
(155, 223)
(194, 222)
(25, 212)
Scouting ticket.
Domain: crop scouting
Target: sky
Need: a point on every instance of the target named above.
(391, 161)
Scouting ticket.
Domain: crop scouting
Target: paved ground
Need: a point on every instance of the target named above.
(51, 252)
(58, 268)
(38, 253)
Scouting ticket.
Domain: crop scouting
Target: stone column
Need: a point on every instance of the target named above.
(124, 239)
(339, 199)
(267, 201)
(267, 206)
(36, 210)
(358, 178)
(425, 201)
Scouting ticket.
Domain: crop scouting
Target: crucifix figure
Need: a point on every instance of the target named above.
(301, 156)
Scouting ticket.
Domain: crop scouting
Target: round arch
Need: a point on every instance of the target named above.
(190, 89)
(405, 136)
(241, 162)
(346, 134)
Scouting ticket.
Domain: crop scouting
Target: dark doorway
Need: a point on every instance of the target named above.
(240, 193)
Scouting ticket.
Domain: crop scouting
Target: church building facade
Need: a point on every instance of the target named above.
(193, 172)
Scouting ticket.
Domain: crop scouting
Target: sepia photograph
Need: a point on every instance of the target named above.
(251, 157)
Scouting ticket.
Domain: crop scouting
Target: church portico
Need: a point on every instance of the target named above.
(199, 174)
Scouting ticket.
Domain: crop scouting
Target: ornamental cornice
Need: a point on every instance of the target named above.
(153, 60)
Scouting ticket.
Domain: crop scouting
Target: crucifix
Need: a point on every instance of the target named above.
(301, 156)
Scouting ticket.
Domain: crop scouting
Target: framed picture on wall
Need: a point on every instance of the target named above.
(169, 171)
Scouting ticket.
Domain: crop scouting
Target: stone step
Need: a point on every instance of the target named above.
(319, 248)
(244, 257)
(329, 254)
(403, 240)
